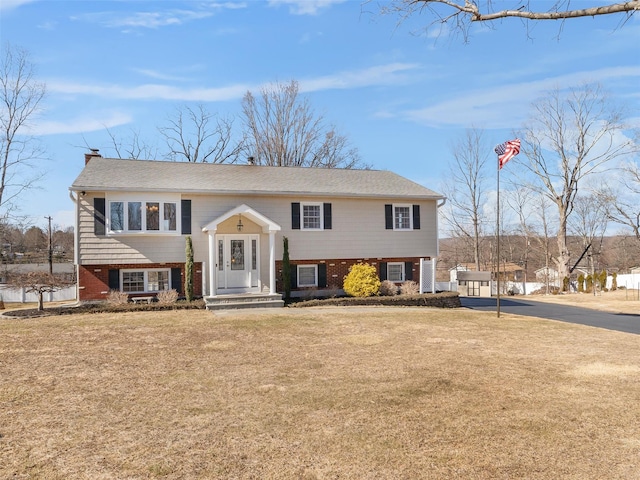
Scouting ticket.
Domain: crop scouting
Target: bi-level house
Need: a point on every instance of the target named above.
(133, 217)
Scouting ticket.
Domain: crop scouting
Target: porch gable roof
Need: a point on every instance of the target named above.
(267, 224)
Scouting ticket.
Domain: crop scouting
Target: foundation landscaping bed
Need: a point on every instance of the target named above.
(102, 307)
(437, 300)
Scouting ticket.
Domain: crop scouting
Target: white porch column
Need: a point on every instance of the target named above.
(272, 262)
(212, 263)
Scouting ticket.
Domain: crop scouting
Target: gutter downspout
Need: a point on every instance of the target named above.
(76, 243)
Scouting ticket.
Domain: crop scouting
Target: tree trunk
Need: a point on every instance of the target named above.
(40, 301)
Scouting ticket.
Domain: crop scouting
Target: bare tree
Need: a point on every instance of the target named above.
(132, 147)
(284, 131)
(196, 135)
(465, 189)
(623, 200)
(589, 222)
(39, 283)
(458, 15)
(20, 98)
(532, 211)
(569, 138)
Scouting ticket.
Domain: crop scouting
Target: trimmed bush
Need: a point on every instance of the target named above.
(439, 300)
(167, 297)
(361, 281)
(388, 288)
(286, 269)
(116, 297)
(589, 284)
(614, 281)
(603, 280)
(565, 284)
(580, 283)
(188, 270)
(409, 288)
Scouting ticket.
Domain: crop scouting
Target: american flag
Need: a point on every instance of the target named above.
(507, 150)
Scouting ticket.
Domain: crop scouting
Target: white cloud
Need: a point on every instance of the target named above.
(305, 7)
(156, 19)
(507, 105)
(11, 4)
(151, 92)
(158, 75)
(390, 74)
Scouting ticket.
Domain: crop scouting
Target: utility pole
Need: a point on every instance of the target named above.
(50, 247)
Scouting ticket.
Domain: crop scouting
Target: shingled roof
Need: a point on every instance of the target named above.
(110, 174)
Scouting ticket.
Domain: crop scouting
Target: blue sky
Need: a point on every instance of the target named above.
(401, 96)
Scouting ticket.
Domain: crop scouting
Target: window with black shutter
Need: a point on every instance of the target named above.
(185, 206)
(99, 210)
(295, 216)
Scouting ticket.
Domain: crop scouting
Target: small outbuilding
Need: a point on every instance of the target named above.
(474, 283)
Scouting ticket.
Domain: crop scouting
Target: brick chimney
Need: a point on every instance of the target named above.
(90, 155)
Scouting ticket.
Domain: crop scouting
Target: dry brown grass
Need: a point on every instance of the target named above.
(319, 393)
(617, 301)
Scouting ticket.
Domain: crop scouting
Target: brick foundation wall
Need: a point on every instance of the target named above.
(93, 280)
(338, 269)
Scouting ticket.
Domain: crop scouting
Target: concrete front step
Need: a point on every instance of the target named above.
(224, 302)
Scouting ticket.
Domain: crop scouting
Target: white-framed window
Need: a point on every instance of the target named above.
(307, 275)
(402, 217)
(311, 214)
(143, 215)
(140, 281)
(395, 271)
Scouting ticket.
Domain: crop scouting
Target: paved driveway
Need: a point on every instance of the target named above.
(583, 316)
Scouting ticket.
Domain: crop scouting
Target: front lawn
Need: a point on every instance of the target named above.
(316, 393)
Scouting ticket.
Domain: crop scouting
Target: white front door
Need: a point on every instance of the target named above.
(237, 262)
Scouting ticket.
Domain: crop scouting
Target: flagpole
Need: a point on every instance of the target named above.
(498, 244)
(505, 151)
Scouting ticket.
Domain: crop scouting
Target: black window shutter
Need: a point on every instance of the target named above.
(99, 225)
(322, 275)
(388, 216)
(295, 216)
(294, 276)
(416, 217)
(185, 206)
(383, 271)
(408, 270)
(114, 279)
(326, 207)
(176, 279)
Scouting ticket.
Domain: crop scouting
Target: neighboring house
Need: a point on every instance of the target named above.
(552, 277)
(511, 272)
(508, 271)
(133, 216)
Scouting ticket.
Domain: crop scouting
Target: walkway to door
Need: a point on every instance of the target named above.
(620, 322)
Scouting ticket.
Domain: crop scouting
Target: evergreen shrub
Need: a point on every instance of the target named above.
(361, 281)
